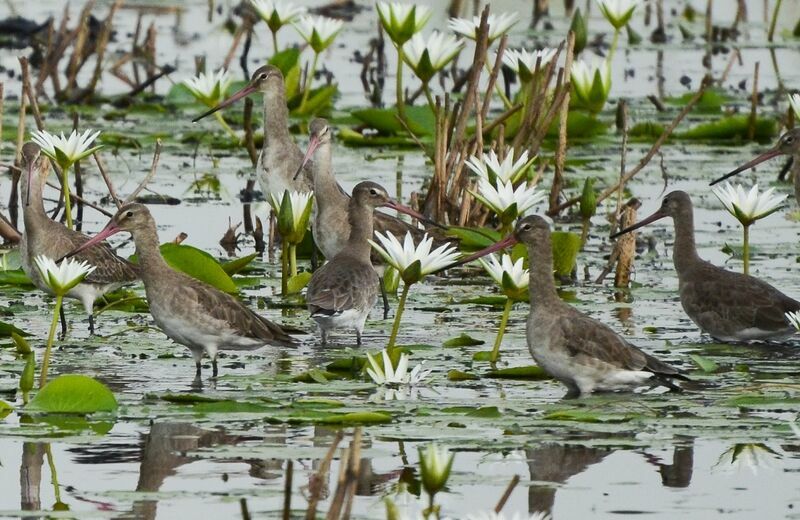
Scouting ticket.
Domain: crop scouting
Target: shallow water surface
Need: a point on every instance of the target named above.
(725, 447)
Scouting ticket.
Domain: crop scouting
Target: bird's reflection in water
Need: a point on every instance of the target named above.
(552, 464)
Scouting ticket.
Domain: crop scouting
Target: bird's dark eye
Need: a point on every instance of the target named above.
(263, 75)
(788, 139)
(129, 214)
(373, 191)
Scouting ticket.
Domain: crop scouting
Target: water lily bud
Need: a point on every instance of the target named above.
(580, 27)
(435, 463)
(588, 201)
(27, 377)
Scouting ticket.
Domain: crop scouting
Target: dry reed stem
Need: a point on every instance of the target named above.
(107, 180)
(506, 494)
(648, 156)
(561, 148)
(751, 125)
(100, 49)
(287, 490)
(626, 245)
(79, 40)
(316, 482)
(623, 156)
(150, 174)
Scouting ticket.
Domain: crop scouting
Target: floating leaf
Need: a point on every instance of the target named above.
(350, 364)
(296, 283)
(483, 355)
(731, 128)
(7, 330)
(463, 340)
(458, 375)
(705, 364)
(529, 372)
(486, 412)
(343, 418)
(760, 401)
(420, 120)
(198, 264)
(15, 277)
(188, 398)
(73, 393)
(5, 409)
(236, 265)
(587, 416)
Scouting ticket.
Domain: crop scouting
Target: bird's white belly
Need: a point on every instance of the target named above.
(272, 182)
(351, 318)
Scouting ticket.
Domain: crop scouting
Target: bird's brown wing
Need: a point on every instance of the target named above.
(719, 295)
(591, 341)
(229, 310)
(337, 287)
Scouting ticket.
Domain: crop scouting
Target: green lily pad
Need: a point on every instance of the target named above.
(704, 364)
(458, 375)
(463, 340)
(528, 372)
(73, 393)
(236, 265)
(5, 409)
(296, 283)
(197, 264)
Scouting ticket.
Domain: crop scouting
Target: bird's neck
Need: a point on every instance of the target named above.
(542, 285)
(276, 118)
(325, 185)
(149, 250)
(360, 218)
(33, 210)
(684, 252)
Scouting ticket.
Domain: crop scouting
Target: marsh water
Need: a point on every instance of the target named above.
(726, 447)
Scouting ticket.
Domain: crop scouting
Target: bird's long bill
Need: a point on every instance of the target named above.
(30, 167)
(110, 229)
(313, 144)
(652, 218)
(392, 204)
(246, 91)
(758, 160)
(508, 241)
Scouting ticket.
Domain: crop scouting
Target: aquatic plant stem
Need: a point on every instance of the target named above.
(501, 330)
(613, 48)
(284, 267)
(221, 120)
(53, 474)
(293, 259)
(65, 191)
(274, 42)
(50, 337)
(427, 90)
(401, 107)
(398, 316)
(497, 88)
(774, 21)
(746, 249)
(309, 80)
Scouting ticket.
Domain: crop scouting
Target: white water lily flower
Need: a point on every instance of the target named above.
(60, 278)
(753, 457)
(294, 212)
(793, 318)
(508, 203)
(386, 374)
(618, 12)
(591, 83)
(66, 151)
(402, 21)
(209, 89)
(414, 262)
(748, 206)
(427, 57)
(318, 31)
(511, 276)
(524, 62)
(492, 515)
(794, 101)
(498, 25)
(435, 463)
(277, 13)
(488, 166)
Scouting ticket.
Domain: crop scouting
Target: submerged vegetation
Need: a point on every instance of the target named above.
(476, 117)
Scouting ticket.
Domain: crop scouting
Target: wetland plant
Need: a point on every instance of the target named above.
(748, 206)
(276, 14)
(210, 90)
(435, 463)
(512, 278)
(294, 213)
(60, 278)
(413, 262)
(319, 33)
(401, 22)
(66, 151)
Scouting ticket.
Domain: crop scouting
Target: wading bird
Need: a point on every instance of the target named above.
(189, 311)
(728, 306)
(582, 353)
(44, 236)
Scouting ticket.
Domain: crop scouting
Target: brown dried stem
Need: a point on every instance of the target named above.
(150, 174)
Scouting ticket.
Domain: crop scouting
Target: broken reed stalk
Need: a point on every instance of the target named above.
(561, 148)
(506, 494)
(142, 185)
(79, 37)
(287, 490)
(774, 21)
(626, 245)
(751, 124)
(647, 157)
(350, 468)
(243, 509)
(100, 48)
(318, 480)
(103, 173)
